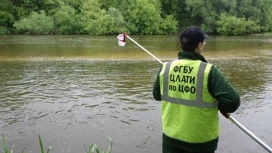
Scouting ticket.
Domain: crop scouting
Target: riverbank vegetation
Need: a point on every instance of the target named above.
(148, 17)
(93, 148)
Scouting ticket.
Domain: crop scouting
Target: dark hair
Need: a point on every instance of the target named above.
(191, 37)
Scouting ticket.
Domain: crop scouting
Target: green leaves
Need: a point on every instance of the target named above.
(104, 17)
(144, 17)
(41, 146)
(67, 21)
(94, 149)
(209, 15)
(98, 21)
(5, 149)
(35, 23)
(232, 25)
(96, 17)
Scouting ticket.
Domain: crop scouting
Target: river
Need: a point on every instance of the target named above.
(74, 91)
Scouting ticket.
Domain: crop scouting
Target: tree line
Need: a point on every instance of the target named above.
(146, 17)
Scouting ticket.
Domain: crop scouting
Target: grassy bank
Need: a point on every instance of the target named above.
(93, 148)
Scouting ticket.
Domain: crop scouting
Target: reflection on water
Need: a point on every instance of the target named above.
(75, 90)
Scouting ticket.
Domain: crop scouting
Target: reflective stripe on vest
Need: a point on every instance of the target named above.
(199, 92)
(189, 112)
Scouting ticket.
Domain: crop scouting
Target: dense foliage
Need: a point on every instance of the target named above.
(104, 17)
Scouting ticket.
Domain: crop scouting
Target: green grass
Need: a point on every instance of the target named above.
(5, 146)
(93, 148)
(5, 149)
(41, 146)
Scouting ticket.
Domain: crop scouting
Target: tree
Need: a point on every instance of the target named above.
(232, 25)
(28, 5)
(6, 17)
(35, 23)
(100, 21)
(103, 17)
(265, 14)
(67, 21)
(117, 22)
(259, 11)
(144, 18)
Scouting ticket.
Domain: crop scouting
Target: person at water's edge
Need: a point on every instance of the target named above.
(191, 92)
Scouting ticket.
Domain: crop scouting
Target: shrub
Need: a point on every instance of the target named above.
(144, 17)
(4, 30)
(232, 25)
(6, 20)
(168, 25)
(35, 23)
(67, 21)
(100, 21)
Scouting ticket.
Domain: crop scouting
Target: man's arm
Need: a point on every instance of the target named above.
(156, 88)
(227, 97)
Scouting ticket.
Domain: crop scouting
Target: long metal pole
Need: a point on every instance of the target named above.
(243, 128)
(144, 49)
(254, 137)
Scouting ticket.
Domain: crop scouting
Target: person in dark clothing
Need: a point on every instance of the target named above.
(191, 92)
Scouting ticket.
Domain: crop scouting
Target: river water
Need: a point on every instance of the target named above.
(74, 91)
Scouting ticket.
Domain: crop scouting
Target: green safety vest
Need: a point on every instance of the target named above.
(189, 112)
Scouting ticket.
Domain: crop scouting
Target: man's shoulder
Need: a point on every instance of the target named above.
(215, 71)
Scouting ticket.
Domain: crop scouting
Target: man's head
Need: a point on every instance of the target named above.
(191, 38)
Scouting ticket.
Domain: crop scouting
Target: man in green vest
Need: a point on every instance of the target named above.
(191, 92)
